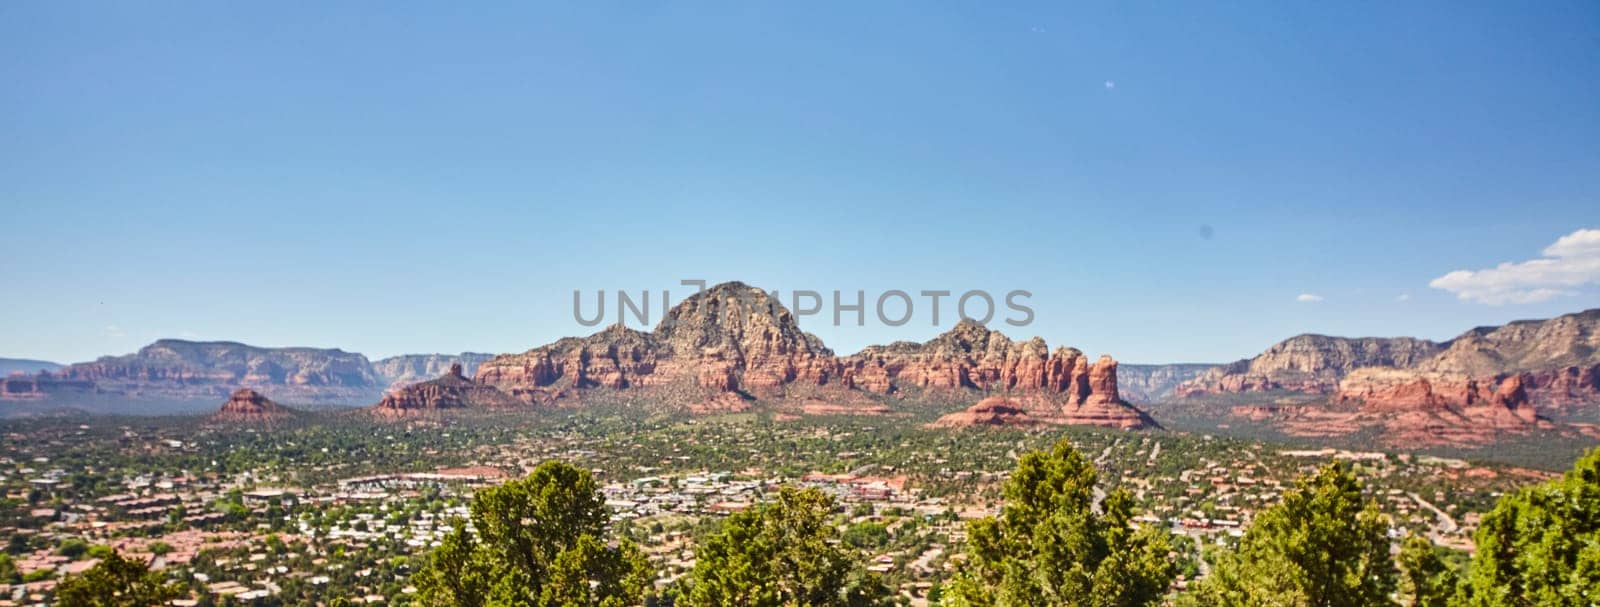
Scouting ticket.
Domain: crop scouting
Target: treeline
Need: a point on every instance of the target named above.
(542, 541)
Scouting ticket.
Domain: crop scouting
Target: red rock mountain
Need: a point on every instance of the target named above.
(1310, 364)
(1551, 365)
(247, 406)
(731, 339)
(172, 370)
(733, 343)
(451, 391)
(1486, 383)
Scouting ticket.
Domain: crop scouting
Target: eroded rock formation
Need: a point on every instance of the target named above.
(453, 390)
(733, 343)
(246, 406)
(1484, 384)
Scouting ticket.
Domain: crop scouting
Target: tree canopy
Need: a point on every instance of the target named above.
(1425, 579)
(535, 542)
(1322, 546)
(1050, 547)
(1541, 545)
(782, 554)
(115, 582)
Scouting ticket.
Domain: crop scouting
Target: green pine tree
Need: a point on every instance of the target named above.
(1541, 545)
(782, 554)
(115, 582)
(1323, 546)
(1425, 579)
(539, 542)
(1050, 548)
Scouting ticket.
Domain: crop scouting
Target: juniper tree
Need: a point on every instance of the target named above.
(1050, 546)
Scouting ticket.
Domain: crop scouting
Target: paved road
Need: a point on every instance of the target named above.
(1447, 524)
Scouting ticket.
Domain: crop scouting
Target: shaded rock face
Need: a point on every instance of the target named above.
(718, 349)
(187, 370)
(248, 406)
(398, 371)
(453, 390)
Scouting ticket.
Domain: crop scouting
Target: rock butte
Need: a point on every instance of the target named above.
(250, 407)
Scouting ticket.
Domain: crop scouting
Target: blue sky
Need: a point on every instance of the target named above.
(397, 177)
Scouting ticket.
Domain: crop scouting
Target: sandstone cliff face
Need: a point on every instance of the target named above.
(971, 356)
(1036, 409)
(246, 406)
(1310, 363)
(180, 370)
(405, 369)
(731, 339)
(1552, 364)
(1485, 384)
(750, 340)
(451, 391)
(719, 349)
(1059, 386)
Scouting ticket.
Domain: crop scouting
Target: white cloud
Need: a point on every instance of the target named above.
(1111, 84)
(1572, 262)
(1308, 298)
(1404, 297)
(115, 331)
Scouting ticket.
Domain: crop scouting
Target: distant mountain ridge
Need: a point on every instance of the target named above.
(1142, 383)
(1310, 363)
(721, 350)
(1489, 381)
(398, 371)
(26, 366)
(175, 375)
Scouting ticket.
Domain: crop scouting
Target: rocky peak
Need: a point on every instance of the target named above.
(734, 320)
(246, 405)
(737, 340)
(450, 391)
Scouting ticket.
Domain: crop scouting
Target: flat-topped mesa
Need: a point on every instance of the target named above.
(1311, 364)
(450, 391)
(175, 370)
(248, 406)
(1519, 367)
